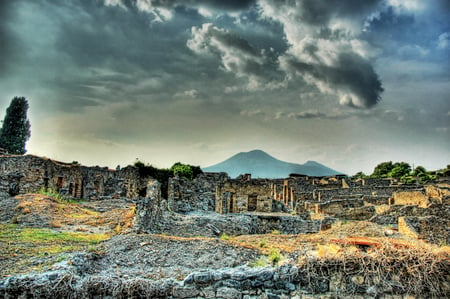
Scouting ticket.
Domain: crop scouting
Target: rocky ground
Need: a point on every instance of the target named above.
(89, 249)
(155, 256)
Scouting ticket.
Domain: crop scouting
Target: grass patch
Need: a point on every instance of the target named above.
(20, 246)
(263, 243)
(260, 263)
(58, 197)
(12, 233)
(224, 237)
(275, 256)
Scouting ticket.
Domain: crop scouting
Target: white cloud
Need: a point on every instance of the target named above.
(236, 54)
(408, 5)
(325, 49)
(444, 41)
(192, 93)
(251, 113)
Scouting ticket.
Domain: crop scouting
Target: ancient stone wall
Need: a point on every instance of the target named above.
(246, 195)
(286, 281)
(28, 174)
(197, 195)
(330, 194)
(377, 182)
(154, 216)
(438, 191)
(416, 198)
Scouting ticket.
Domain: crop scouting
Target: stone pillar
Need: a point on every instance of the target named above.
(149, 209)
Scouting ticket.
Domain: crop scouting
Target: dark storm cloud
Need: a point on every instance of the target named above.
(351, 74)
(91, 54)
(320, 12)
(326, 48)
(9, 45)
(237, 55)
(217, 4)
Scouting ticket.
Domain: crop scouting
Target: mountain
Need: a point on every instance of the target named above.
(262, 165)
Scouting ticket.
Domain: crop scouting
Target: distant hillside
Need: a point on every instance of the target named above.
(262, 165)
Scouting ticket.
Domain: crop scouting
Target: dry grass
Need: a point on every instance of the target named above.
(24, 249)
(71, 215)
(415, 269)
(401, 265)
(70, 226)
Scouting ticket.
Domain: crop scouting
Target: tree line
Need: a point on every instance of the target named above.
(404, 173)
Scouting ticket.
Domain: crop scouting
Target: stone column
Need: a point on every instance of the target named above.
(149, 209)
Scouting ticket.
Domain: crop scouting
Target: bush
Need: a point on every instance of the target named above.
(224, 237)
(183, 170)
(275, 256)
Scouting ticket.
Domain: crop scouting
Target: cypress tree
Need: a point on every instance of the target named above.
(16, 127)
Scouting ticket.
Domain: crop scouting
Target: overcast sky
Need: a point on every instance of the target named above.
(346, 83)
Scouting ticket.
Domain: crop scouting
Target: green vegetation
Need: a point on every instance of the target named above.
(11, 233)
(22, 245)
(275, 256)
(15, 131)
(404, 173)
(359, 175)
(51, 193)
(263, 243)
(382, 170)
(224, 237)
(58, 197)
(259, 263)
(162, 175)
(400, 170)
(185, 170)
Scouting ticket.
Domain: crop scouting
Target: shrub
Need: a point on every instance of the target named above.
(224, 237)
(259, 263)
(263, 243)
(275, 256)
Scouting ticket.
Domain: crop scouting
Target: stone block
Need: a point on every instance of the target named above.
(185, 291)
(228, 293)
(208, 292)
(203, 277)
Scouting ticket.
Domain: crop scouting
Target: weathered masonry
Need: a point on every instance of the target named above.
(27, 174)
(218, 192)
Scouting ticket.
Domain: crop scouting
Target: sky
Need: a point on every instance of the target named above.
(346, 83)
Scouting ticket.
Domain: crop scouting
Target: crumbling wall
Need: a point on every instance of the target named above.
(149, 210)
(199, 194)
(28, 174)
(438, 191)
(330, 194)
(315, 279)
(246, 195)
(431, 228)
(417, 198)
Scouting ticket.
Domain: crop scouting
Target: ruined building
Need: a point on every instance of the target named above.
(27, 174)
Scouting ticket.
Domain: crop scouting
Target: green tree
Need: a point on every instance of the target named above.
(446, 172)
(183, 170)
(15, 131)
(419, 171)
(399, 170)
(382, 170)
(359, 175)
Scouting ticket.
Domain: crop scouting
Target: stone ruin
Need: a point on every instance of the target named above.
(297, 204)
(31, 174)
